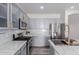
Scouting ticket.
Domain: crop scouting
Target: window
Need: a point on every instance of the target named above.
(3, 15)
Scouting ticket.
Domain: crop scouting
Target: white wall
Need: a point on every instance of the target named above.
(40, 27)
(7, 35)
(73, 21)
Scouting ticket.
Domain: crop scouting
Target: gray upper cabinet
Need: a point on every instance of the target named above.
(15, 16)
(3, 15)
(10, 15)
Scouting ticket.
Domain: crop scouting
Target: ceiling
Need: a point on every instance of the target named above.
(48, 7)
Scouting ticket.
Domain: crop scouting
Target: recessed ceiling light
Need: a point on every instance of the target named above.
(72, 7)
(41, 7)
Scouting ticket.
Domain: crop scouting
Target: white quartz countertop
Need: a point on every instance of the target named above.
(11, 47)
(65, 50)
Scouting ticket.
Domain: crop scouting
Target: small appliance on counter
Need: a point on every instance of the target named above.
(27, 32)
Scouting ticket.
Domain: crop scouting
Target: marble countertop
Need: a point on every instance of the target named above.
(11, 47)
(65, 50)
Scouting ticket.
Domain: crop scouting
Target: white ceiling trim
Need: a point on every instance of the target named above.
(44, 15)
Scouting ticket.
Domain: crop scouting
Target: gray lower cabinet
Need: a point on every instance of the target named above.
(18, 52)
(22, 50)
(52, 50)
(56, 53)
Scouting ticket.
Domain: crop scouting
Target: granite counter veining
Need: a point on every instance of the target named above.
(65, 50)
(11, 47)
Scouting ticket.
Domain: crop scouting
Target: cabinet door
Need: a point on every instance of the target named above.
(15, 16)
(3, 15)
(23, 23)
(23, 50)
(56, 53)
(51, 50)
(18, 52)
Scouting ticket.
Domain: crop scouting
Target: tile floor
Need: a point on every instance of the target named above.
(39, 50)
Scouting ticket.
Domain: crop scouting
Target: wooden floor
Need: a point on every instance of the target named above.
(39, 50)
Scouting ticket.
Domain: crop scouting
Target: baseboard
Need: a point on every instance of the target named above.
(40, 46)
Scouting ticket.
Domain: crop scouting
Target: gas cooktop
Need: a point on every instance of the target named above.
(23, 38)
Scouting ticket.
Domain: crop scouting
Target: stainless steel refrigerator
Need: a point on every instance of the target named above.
(57, 31)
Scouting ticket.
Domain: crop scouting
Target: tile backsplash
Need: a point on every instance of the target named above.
(7, 35)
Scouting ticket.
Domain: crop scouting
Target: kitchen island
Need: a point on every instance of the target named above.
(62, 49)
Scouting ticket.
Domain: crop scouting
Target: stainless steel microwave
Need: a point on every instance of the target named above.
(22, 24)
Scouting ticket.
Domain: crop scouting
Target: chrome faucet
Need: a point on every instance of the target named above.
(67, 29)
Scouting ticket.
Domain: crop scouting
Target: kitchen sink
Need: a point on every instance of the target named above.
(57, 42)
(62, 42)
